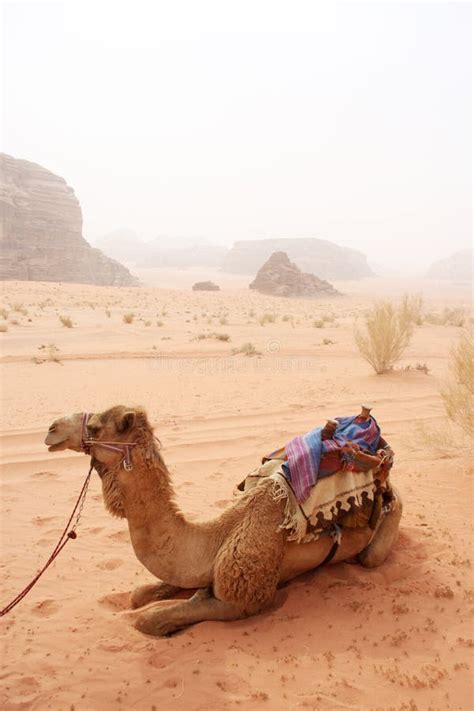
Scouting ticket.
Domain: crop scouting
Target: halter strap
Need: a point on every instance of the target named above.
(124, 448)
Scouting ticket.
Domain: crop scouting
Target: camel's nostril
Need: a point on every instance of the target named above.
(52, 428)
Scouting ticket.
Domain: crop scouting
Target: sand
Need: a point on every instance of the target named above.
(398, 637)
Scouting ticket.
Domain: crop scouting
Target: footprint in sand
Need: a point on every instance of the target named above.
(111, 646)
(25, 686)
(110, 564)
(46, 608)
(120, 536)
(95, 530)
(158, 661)
(44, 475)
(43, 520)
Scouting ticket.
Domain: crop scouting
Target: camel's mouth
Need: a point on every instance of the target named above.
(57, 447)
(54, 441)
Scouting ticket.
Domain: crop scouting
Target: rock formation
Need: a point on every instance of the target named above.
(41, 231)
(280, 277)
(456, 267)
(205, 286)
(317, 256)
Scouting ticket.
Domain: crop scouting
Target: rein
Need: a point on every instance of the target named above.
(68, 534)
(124, 448)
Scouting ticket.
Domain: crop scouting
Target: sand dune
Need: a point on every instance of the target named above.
(398, 637)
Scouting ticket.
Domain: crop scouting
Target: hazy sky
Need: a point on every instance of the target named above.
(235, 120)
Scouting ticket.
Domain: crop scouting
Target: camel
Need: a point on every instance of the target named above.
(235, 561)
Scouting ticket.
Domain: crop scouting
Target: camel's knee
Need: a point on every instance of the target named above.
(246, 587)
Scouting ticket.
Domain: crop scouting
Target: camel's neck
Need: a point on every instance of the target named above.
(173, 549)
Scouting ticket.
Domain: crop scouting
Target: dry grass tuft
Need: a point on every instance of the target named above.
(4, 313)
(214, 335)
(128, 318)
(411, 308)
(247, 349)
(386, 333)
(267, 318)
(66, 321)
(448, 317)
(458, 394)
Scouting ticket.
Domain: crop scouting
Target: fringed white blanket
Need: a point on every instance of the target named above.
(332, 496)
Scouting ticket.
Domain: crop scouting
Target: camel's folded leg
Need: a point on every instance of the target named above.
(159, 621)
(385, 537)
(152, 593)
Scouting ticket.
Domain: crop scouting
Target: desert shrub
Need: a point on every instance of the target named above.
(327, 342)
(267, 318)
(247, 349)
(147, 323)
(128, 318)
(66, 321)
(422, 367)
(318, 323)
(214, 335)
(448, 317)
(4, 313)
(328, 318)
(159, 323)
(454, 317)
(223, 320)
(14, 322)
(458, 394)
(3, 328)
(411, 308)
(384, 337)
(108, 313)
(51, 352)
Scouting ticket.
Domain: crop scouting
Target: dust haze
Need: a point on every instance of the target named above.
(207, 125)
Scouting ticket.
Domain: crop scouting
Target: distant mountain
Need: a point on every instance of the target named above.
(41, 231)
(183, 257)
(123, 244)
(456, 267)
(316, 256)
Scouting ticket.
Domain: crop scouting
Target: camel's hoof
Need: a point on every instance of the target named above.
(148, 624)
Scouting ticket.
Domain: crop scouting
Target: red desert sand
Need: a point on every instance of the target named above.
(398, 637)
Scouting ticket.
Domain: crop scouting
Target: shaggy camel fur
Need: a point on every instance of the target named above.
(236, 560)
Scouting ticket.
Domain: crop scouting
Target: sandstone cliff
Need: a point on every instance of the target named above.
(456, 267)
(317, 256)
(280, 277)
(41, 231)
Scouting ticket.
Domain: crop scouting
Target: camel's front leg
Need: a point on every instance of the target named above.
(152, 593)
(158, 620)
(385, 536)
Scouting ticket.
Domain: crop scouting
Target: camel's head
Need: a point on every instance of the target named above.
(65, 433)
(111, 438)
(106, 435)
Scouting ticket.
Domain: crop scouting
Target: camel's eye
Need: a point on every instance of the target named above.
(93, 430)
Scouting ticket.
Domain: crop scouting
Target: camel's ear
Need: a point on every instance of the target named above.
(126, 422)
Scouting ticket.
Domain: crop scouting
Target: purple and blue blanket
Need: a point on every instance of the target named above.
(303, 453)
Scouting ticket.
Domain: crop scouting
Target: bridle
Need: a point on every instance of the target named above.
(125, 448)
